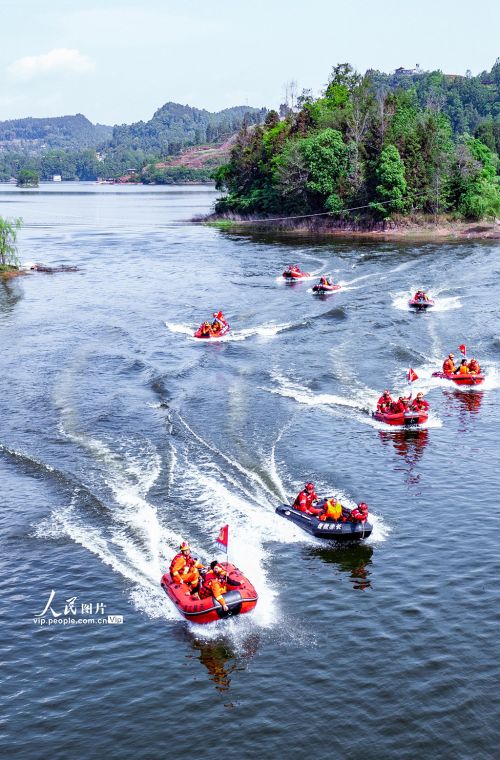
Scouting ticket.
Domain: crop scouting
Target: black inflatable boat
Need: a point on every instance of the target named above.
(329, 529)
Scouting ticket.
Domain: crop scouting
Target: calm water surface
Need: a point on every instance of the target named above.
(120, 435)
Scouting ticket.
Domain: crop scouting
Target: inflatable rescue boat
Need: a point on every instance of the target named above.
(212, 334)
(333, 530)
(323, 289)
(420, 304)
(240, 599)
(294, 273)
(460, 379)
(407, 419)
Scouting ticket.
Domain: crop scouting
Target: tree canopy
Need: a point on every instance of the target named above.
(380, 144)
(8, 241)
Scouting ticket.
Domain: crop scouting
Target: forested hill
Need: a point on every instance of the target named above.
(35, 136)
(410, 143)
(174, 126)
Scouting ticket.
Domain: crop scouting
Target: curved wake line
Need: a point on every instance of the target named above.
(232, 462)
(362, 408)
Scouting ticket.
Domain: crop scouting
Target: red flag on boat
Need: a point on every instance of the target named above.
(412, 375)
(463, 348)
(223, 537)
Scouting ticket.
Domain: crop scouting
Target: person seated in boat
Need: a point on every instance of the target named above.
(216, 583)
(384, 402)
(185, 569)
(205, 328)
(449, 365)
(305, 500)
(419, 404)
(420, 296)
(400, 406)
(219, 321)
(463, 368)
(360, 513)
(325, 282)
(332, 510)
(474, 367)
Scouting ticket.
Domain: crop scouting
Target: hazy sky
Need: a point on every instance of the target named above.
(117, 61)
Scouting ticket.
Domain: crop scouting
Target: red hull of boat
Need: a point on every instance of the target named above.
(460, 379)
(420, 304)
(417, 418)
(221, 332)
(325, 289)
(240, 599)
(295, 275)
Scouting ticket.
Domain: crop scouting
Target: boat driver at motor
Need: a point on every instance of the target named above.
(305, 500)
(419, 404)
(474, 367)
(215, 583)
(360, 513)
(185, 569)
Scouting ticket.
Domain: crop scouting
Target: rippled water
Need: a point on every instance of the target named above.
(121, 435)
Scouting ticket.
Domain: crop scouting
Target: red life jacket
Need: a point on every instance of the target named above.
(304, 500)
(383, 401)
(358, 515)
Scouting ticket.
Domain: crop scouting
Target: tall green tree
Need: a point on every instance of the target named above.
(8, 241)
(391, 190)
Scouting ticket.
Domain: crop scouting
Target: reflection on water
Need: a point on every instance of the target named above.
(410, 445)
(353, 559)
(10, 294)
(466, 401)
(222, 659)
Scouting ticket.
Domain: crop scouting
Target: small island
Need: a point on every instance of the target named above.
(28, 178)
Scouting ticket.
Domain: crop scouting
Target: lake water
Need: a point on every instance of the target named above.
(121, 435)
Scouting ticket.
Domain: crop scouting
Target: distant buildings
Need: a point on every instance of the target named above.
(401, 72)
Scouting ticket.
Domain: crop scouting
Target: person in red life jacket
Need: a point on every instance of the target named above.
(384, 402)
(400, 406)
(463, 369)
(474, 367)
(325, 282)
(419, 403)
(185, 569)
(216, 583)
(205, 328)
(360, 513)
(219, 321)
(420, 296)
(449, 365)
(305, 500)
